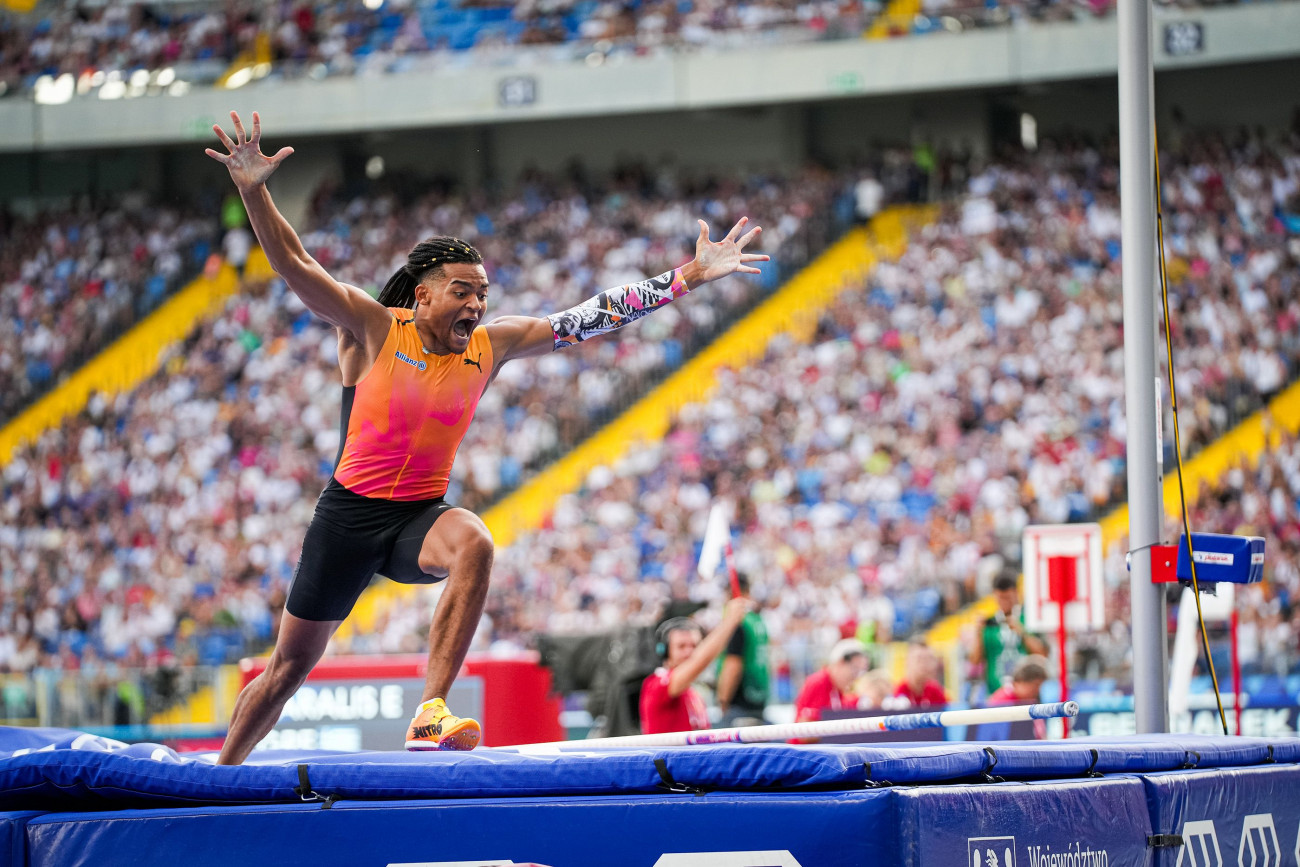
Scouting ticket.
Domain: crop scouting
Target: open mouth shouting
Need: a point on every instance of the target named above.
(464, 327)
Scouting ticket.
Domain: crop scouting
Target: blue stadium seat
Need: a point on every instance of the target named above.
(902, 616)
(511, 472)
(928, 603)
(212, 649)
(495, 14)
(918, 503)
(673, 355)
(155, 288)
(809, 482)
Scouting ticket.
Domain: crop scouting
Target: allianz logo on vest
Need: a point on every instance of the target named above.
(418, 365)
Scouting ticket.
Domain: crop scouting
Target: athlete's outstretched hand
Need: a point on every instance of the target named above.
(713, 261)
(247, 164)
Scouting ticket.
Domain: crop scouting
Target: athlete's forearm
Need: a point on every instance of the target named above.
(279, 241)
(617, 307)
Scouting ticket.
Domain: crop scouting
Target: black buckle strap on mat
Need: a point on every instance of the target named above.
(1092, 768)
(672, 785)
(868, 783)
(988, 775)
(1164, 841)
(307, 793)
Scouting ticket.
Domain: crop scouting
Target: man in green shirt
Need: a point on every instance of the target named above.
(1003, 639)
(743, 681)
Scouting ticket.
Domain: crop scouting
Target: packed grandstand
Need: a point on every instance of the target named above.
(141, 49)
(199, 41)
(958, 394)
(882, 470)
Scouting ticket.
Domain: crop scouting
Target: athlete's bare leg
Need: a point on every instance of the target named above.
(459, 547)
(297, 650)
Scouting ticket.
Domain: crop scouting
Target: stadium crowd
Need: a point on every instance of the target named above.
(883, 471)
(971, 388)
(1264, 501)
(199, 41)
(164, 526)
(73, 279)
(886, 471)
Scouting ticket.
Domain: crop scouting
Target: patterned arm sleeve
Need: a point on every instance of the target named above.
(615, 308)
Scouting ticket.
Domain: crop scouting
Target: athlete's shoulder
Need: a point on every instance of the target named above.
(402, 315)
(480, 345)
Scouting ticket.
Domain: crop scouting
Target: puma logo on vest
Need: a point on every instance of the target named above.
(475, 362)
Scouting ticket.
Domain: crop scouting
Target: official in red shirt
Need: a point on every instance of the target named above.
(668, 702)
(828, 689)
(919, 684)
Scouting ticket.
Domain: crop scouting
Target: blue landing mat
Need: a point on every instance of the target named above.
(58, 769)
(13, 835)
(596, 831)
(1118, 821)
(1141, 801)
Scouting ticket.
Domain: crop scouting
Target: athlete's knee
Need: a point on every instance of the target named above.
(466, 543)
(478, 543)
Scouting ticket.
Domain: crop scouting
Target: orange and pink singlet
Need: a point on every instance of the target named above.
(407, 416)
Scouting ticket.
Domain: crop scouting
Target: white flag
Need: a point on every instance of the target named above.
(716, 535)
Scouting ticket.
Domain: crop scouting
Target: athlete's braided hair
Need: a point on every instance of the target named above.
(429, 254)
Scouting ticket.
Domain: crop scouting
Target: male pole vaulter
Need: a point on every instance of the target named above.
(414, 364)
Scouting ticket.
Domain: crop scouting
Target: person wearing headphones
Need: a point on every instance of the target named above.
(668, 701)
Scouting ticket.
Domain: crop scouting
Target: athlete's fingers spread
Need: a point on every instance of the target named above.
(749, 236)
(755, 257)
(225, 139)
(746, 270)
(257, 129)
(735, 230)
(219, 157)
(239, 126)
(281, 154)
(704, 230)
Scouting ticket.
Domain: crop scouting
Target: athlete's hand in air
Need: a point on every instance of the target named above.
(247, 164)
(714, 261)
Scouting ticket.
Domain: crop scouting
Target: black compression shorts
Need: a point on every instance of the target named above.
(349, 540)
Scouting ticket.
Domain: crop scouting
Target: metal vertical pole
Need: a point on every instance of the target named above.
(1137, 210)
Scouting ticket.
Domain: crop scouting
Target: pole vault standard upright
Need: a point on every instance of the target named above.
(1138, 216)
(822, 728)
